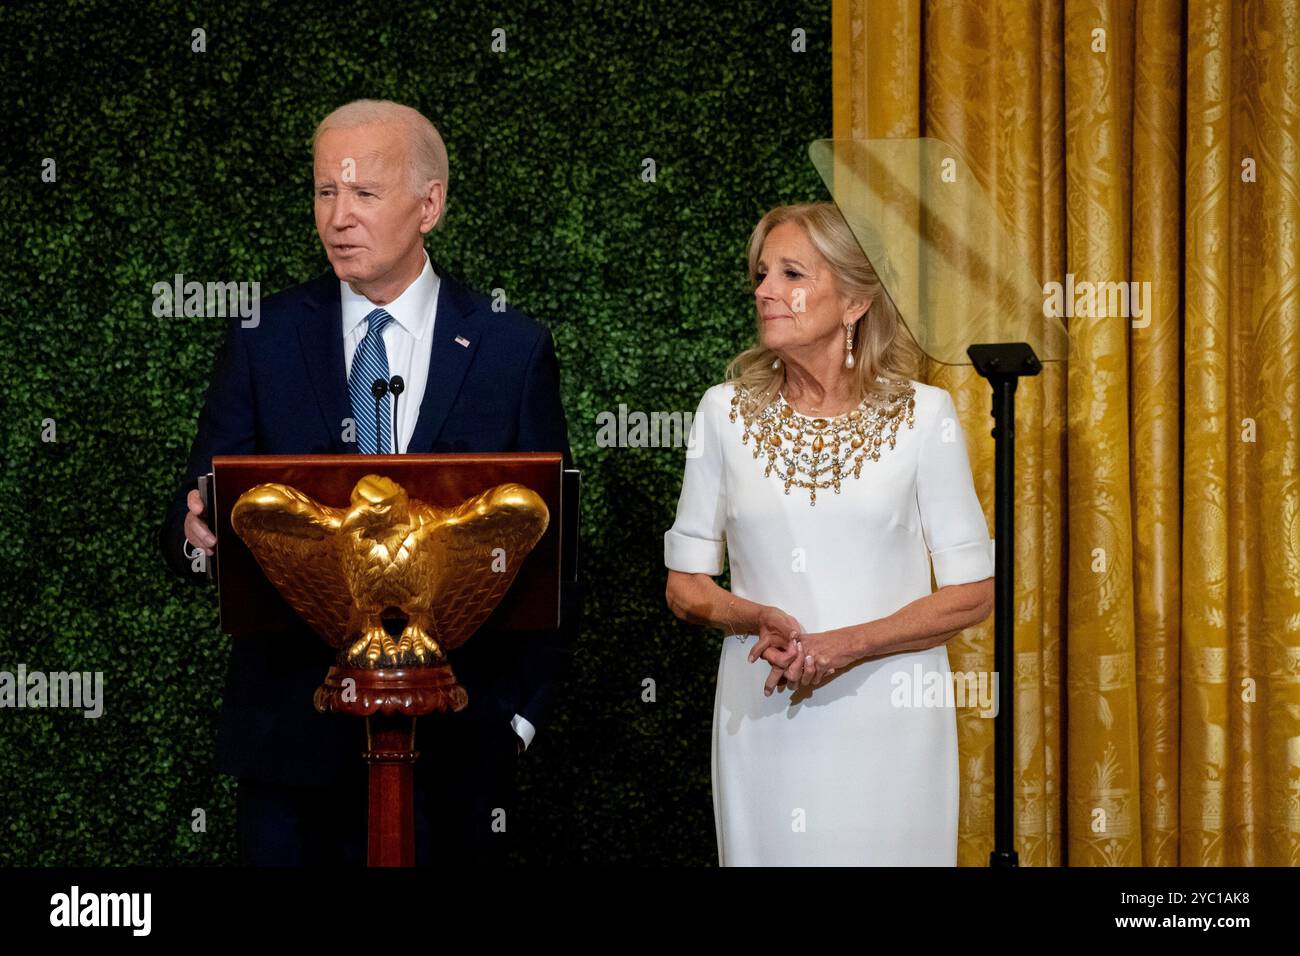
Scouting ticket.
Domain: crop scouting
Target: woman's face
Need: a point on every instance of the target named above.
(798, 304)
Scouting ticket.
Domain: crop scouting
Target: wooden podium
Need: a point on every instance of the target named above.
(391, 695)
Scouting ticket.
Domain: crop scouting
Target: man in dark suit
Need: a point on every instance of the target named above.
(298, 382)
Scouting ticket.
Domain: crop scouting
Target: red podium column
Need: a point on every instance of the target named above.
(390, 700)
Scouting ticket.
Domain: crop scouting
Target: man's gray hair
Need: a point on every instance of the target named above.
(426, 151)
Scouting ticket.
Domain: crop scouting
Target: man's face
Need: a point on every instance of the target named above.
(370, 221)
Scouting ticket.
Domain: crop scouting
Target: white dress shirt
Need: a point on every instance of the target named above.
(408, 340)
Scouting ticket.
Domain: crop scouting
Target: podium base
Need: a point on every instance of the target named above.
(390, 699)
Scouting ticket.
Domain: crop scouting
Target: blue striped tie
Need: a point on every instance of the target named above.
(369, 362)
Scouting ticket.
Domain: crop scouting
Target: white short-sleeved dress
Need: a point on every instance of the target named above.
(861, 770)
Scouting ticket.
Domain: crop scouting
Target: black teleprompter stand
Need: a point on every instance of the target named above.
(1002, 364)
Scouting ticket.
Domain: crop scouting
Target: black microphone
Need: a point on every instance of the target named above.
(396, 386)
(378, 388)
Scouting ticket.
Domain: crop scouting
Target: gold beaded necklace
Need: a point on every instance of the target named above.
(824, 450)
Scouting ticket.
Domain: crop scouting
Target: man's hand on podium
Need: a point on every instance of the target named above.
(196, 532)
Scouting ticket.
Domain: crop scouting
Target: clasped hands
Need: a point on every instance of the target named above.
(798, 659)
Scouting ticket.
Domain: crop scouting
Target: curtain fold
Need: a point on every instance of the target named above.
(1157, 542)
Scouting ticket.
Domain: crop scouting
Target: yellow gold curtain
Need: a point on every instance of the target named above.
(1157, 547)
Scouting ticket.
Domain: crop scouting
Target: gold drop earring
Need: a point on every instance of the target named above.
(848, 346)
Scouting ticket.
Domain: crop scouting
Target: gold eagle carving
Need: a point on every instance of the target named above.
(343, 570)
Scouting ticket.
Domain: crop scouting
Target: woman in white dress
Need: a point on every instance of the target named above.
(833, 481)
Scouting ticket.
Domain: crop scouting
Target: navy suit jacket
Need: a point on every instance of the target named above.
(281, 388)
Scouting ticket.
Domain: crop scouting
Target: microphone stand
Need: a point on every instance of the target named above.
(396, 386)
(378, 388)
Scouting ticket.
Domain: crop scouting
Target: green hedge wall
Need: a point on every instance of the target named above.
(170, 160)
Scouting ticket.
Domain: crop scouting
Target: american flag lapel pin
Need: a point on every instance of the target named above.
(462, 341)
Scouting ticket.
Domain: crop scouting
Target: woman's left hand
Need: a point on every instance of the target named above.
(821, 655)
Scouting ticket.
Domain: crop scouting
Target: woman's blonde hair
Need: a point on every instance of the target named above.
(882, 346)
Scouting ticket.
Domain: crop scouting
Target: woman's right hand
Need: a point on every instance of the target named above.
(777, 633)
